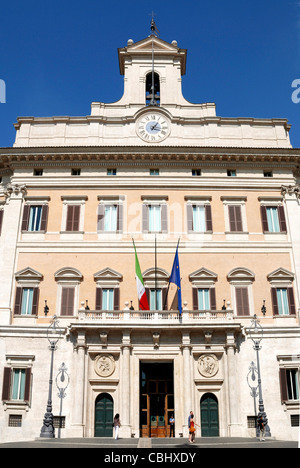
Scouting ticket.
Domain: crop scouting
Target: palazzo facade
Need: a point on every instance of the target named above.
(154, 168)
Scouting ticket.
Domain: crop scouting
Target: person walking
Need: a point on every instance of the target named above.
(260, 423)
(117, 425)
(192, 429)
(172, 426)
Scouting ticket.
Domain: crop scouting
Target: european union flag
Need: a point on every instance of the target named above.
(175, 278)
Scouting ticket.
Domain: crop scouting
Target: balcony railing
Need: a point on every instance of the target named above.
(138, 316)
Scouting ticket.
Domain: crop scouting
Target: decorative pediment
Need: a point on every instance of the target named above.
(203, 274)
(68, 273)
(160, 273)
(281, 274)
(146, 44)
(241, 273)
(28, 274)
(108, 274)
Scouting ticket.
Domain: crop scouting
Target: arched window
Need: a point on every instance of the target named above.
(152, 98)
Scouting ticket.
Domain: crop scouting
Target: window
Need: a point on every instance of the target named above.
(204, 299)
(235, 218)
(242, 301)
(38, 172)
(283, 301)
(108, 299)
(155, 217)
(26, 302)
(110, 217)
(15, 420)
(196, 172)
(35, 218)
(268, 174)
(67, 301)
(75, 172)
(155, 302)
(273, 218)
(152, 95)
(289, 383)
(241, 280)
(199, 218)
(231, 172)
(16, 384)
(73, 215)
(112, 172)
(154, 172)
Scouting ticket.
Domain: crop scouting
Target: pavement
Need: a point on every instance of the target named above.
(170, 445)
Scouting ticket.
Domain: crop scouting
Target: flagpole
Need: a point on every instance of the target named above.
(169, 281)
(155, 274)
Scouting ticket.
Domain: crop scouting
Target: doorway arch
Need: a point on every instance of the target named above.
(209, 410)
(104, 415)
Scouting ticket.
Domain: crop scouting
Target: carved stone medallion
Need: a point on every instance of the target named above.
(105, 365)
(208, 365)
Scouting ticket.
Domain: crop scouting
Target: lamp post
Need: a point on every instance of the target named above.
(252, 374)
(62, 382)
(53, 335)
(256, 335)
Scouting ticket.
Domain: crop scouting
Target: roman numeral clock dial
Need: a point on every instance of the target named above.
(153, 127)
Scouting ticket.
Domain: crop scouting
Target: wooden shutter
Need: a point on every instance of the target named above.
(100, 217)
(35, 301)
(292, 307)
(1, 220)
(145, 221)
(18, 301)
(208, 218)
(6, 384)
(212, 296)
(25, 220)
(264, 219)
(164, 297)
(235, 218)
(44, 218)
(27, 384)
(98, 299)
(281, 216)
(116, 299)
(120, 218)
(189, 211)
(283, 385)
(164, 218)
(242, 301)
(195, 299)
(73, 215)
(274, 301)
(67, 301)
(147, 290)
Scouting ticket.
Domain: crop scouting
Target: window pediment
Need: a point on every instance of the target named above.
(203, 274)
(241, 274)
(281, 274)
(68, 273)
(28, 274)
(108, 274)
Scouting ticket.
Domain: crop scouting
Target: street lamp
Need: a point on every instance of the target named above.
(53, 335)
(251, 380)
(256, 335)
(62, 382)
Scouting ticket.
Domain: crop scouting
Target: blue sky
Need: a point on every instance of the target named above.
(57, 57)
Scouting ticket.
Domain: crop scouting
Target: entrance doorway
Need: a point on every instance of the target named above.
(209, 415)
(156, 399)
(104, 415)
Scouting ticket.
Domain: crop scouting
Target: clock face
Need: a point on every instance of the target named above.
(153, 127)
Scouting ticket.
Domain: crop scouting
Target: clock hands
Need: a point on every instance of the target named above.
(153, 127)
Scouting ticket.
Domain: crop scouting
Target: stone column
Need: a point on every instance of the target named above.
(186, 380)
(11, 229)
(79, 387)
(232, 387)
(125, 430)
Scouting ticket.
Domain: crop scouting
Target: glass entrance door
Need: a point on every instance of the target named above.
(157, 399)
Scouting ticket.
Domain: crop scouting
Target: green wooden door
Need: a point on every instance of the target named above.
(209, 416)
(104, 415)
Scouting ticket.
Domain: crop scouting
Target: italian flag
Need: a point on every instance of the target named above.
(143, 301)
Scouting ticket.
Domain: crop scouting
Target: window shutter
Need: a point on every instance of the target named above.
(189, 210)
(100, 218)
(212, 296)
(274, 301)
(44, 218)
(27, 384)
(242, 301)
(73, 215)
(164, 296)
(98, 299)
(195, 299)
(235, 218)
(208, 218)
(264, 219)
(35, 301)
(69, 226)
(67, 301)
(283, 385)
(18, 301)
(291, 299)
(6, 384)
(145, 222)
(120, 218)
(1, 220)
(25, 220)
(147, 295)
(76, 218)
(282, 221)
(116, 299)
(164, 218)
